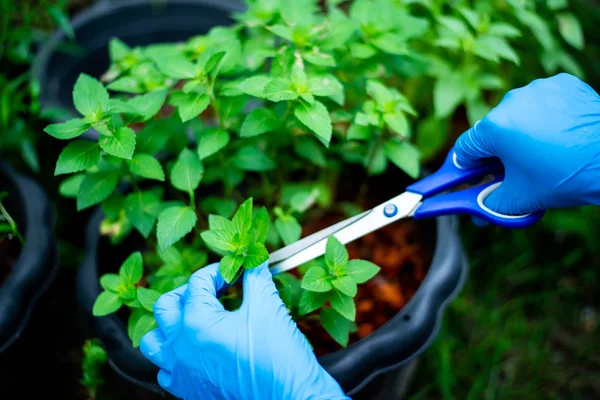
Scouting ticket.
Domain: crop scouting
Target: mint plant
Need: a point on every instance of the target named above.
(269, 113)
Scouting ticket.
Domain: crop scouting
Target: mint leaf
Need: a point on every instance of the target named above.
(176, 66)
(317, 57)
(149, 104)
(570, 29)
(211, 141)
(70, 186)
(174, 223)
(260, 225)
(361, 271)
(144, 324)
(280, 89)
(397, 122)
(106, 303)
(405, 156)
(336, 325)
(146, 166)
(111, 282)
(242, 220)
(90, 97)
(126, 84)
(316, 279)
(259, 121)
(310, 301)
(223, 207)
(219, 239)
(187, 171)
(343, 304)
(68, 130)
(316, 118)
(229, 266)
(448, 93)
(254, 86)
(310, 150)
(147, 297)
(289, 229)
(250, 158)
(136, 207)
(77, 156)
(336, 255)
(132, 268)
(191, 105)
(256, 255)
(95, 188)
(328, 86)
(117, 49)
(345, 284)
(217, 222)
(120, 144)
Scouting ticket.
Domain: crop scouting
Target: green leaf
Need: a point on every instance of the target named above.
(343, 304)
(146, 166)
(492, 48)
(107, 303)
(68, 130)
(256, 255)
(126, 84)
(120, 144)
(359, 132)
(174, 223)
(190, 105)
(90, 97)
(95, 188)
(391, 43)
(187, 171)
(117, 49)
(310, 150)
(223, 207)
(77, 156)
(570, 29)
(316, 279)
(260, 225)
(405, 156)
(280, 89)
(61, 20)
(111, 282)
(136, 207)
(361, 271)
(336, 325)
(336, 255)
(176, 66)
(362, 51)
(345, 284)
(70, 186)
(329, 86)
(397, 123)
(220, 239)
(317, 57)
(254, 86)
(310, 301)
(259, 121)
(132, 268)
(147, 297)
(289, 229)
(316, 118)
(538, 26)
(144, 324)
(149, 104)
(250, 158)
(217, 222)
(503, 30)
(230, 265)
(211, 141)
(448, 93)
(242, 220)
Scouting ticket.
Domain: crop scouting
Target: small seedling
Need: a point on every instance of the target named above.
(93, 360)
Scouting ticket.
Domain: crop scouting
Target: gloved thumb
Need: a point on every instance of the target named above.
(473, 146)
(259, 287)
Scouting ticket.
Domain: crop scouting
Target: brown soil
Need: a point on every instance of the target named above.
(395, 248)
(9, 254)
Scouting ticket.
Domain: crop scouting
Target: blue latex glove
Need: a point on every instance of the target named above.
(256, 352)
(547, 135)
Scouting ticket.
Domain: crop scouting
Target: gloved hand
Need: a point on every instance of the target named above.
(256, 352)
(547, 135)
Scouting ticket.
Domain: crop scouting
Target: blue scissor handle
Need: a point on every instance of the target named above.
(469, 201)
(451, 175)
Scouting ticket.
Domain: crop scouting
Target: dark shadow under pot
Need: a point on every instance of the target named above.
(27, 269)
(379, 365)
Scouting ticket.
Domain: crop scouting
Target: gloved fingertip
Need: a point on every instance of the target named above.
(151, 346)
(165, 379)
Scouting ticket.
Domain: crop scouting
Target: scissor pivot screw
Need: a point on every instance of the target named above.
(390, 210)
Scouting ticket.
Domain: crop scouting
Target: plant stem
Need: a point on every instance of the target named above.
(12, 224)
(193, 200)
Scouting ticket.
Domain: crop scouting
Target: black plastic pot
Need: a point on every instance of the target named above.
(37, 264)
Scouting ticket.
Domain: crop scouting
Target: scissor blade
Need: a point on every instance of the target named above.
(290, 250)
(352, 229)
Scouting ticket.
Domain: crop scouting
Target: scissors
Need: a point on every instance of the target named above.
(423, 199)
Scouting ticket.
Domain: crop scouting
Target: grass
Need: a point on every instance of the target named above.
(526, 323)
